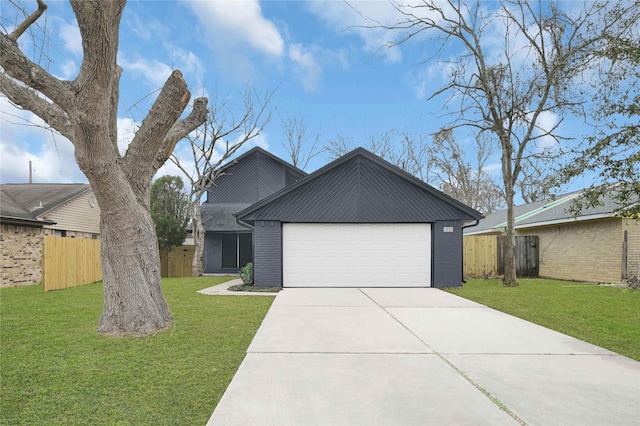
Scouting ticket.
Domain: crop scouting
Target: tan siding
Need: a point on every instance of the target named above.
(582, 251)
(76, 215)
(632, 226)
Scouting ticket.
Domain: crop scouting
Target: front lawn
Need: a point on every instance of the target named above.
(605, 316)
(56, 370)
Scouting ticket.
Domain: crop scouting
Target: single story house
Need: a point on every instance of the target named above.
(244, 181)
(28, 212)
(595, 246)
(357, 222)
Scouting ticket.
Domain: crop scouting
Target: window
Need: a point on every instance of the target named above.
(237, 250)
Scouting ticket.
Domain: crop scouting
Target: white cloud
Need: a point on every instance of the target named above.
(238, 22)
(69, 70)
(147, 28)
(23, 138)
(70, 35)
(154, 72)
(547, 122)
(188, 63)
(127, 128)
(361, 18)
(306, 65)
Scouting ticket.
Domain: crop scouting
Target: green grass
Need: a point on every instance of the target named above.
(605, 316)
(56, 370)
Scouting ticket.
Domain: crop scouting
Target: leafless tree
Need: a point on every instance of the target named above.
(455, 175)
(402, 149)
(301, 145)
(513, 63)
(84, 110)
(212, 145)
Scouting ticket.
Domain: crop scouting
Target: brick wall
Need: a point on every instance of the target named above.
(21, 258)
(632, 226)
(583, 251)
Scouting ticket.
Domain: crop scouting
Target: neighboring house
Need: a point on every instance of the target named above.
(249, 178)
(28, 212)
(596, 246)
(358, 222)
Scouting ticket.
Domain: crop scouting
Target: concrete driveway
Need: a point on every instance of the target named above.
(420, 357)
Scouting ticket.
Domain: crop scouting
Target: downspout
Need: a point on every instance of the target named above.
(477, 221)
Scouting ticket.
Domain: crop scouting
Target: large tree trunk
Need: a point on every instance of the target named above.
(133, 299)
(85, 111)
(197, 267)
(131, 272)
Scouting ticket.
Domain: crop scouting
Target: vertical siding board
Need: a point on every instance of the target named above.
(267, 253)
(271, 176)
(236, 185)
(447, 253)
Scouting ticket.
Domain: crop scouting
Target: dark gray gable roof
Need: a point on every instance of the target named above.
(359, 187)
(257, 149)
(29, 200)
(220, 217)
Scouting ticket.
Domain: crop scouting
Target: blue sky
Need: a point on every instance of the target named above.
(321, 64)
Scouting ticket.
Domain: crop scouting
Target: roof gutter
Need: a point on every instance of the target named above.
(243, 223)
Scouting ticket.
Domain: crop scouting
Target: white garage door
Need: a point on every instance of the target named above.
(356, 255)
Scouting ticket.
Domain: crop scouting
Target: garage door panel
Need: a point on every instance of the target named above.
(356, 255)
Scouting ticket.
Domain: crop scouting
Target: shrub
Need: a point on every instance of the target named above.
(246, 274)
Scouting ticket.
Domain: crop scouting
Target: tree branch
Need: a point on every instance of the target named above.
(181, 129)
(29, 100)
(20, 29)
(18, 66)
(160, 130)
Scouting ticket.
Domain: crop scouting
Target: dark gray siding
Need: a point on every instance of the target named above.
(250, 180)
(237, 184)
(358, 190)
(447, 254)
(212, 253)
(267, 255)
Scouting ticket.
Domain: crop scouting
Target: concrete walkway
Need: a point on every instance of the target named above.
(223, 290)
(420, 357)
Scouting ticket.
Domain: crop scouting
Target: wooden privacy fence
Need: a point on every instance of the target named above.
(69, 262)
(480, 256)
(484, 256)
(177, 262)
(526, 255)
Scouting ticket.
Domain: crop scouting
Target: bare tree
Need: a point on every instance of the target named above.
(402, 149)
(537, 179)
(298, 140)
(84, 110)
(454, 174)
(213, 145)
(507, 88)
